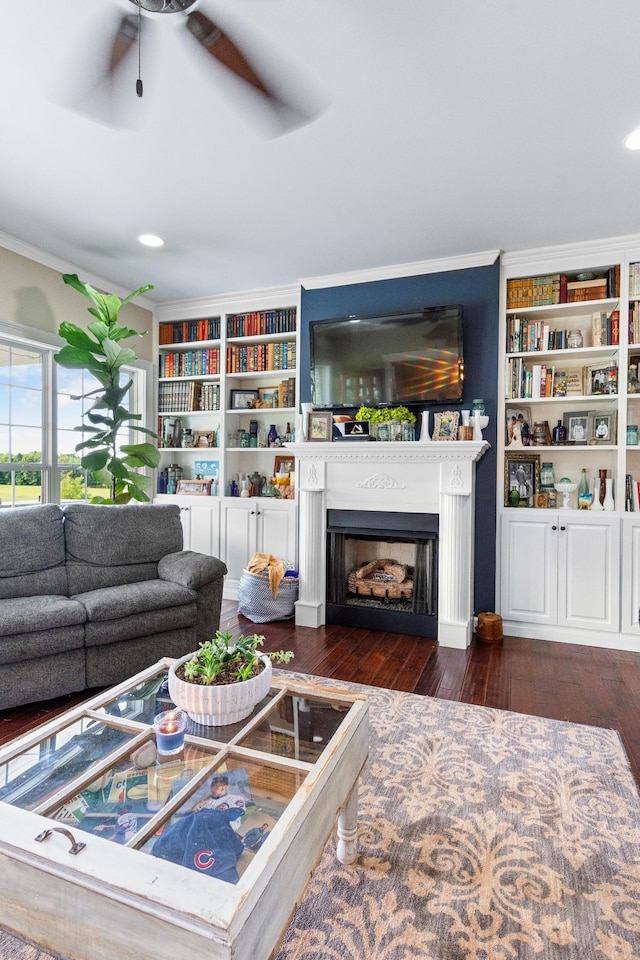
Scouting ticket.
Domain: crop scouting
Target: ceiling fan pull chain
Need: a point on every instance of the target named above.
(139, 80)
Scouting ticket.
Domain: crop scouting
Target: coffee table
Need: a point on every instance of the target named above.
(83, 802)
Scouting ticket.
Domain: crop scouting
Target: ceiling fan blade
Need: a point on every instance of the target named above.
(126, 36)
(224, 50)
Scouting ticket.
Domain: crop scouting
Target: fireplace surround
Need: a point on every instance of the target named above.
(436, 478)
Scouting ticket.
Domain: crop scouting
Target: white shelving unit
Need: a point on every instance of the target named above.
(234, 527)
(576, 583)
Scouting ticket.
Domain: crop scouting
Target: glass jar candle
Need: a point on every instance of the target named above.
(477, 408)
(574, 339)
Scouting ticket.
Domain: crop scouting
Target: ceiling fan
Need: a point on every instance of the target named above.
(212, 39)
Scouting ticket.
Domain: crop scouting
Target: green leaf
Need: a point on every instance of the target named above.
(100, 330)
(95, 461)
(141, 454)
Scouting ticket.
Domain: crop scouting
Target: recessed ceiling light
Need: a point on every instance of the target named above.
(150, 240)
(632, 140)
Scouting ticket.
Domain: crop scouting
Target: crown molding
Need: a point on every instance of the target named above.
(283, 296)
(45, 259)
(570, 254)
(484, 258)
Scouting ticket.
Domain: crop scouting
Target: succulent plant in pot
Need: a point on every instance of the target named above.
(224, 679)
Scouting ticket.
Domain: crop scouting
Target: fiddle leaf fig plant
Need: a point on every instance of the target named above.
(99, 351)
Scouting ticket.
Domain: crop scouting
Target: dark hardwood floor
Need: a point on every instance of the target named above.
(537, 677)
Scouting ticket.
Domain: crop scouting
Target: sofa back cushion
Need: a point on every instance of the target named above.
(108, 545)
(32, 552)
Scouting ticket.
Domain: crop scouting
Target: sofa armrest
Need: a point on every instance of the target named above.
(191, 569)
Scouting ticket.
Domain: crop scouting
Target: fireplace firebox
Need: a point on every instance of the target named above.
(382, 571)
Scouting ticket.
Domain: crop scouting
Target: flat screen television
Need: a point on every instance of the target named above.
(388, 359)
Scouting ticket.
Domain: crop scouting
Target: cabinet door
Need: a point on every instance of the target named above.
(238, 535)
(276, 532)
(528, 566)
(631, 579)
(588, 571)
(203, 523)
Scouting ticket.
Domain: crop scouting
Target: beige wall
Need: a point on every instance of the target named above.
(33, 295)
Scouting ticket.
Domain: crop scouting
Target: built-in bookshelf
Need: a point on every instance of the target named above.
(225, 383)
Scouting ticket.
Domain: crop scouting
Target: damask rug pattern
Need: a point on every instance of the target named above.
(484, 835)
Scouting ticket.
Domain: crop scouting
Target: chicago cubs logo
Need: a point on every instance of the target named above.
(204, 859)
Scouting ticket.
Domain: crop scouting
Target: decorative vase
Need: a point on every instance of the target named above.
(608, 502)
(272, 436)
(219, 704)
(595, 490)
(425, 436)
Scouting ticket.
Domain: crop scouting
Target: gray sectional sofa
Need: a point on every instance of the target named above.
(90, 594)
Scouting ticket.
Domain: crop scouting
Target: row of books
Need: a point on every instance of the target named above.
(189, 331)
(532, 382)
(634, 280)
(532, 336)
(262, 323)
(179, 397)
(261, 356)
(189, 363)
(634, 323)
(561, 288)
(209, 396)
(631, 494)
(287, 392)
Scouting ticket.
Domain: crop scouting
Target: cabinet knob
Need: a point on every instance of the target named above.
(553, 527)
(563, 528)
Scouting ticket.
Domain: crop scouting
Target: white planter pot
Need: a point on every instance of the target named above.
(217, 705)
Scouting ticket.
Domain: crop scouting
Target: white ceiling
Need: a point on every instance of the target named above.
(441, 128)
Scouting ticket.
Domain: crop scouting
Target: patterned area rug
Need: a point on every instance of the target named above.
(484, 835)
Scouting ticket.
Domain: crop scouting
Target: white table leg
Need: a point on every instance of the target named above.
(348, 829)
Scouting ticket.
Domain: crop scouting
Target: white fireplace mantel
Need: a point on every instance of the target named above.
(436, 477)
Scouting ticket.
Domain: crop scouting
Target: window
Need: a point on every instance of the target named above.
(39, 411)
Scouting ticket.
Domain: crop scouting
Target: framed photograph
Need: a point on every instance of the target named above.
(194, 488)
(602, 380)
(243, 399)
(207, 468)
(284, 465)
(521, 472)
(577, 425)
(602, 427)
(319, 426)
(446, 425)
(518, 426)
(542, 501)
(204, 438)
(268, 396)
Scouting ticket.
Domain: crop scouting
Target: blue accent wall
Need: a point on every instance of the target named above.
(477, 289)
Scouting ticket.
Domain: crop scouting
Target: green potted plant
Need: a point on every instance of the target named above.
(387, 415)
(224, 679)
(98, 351)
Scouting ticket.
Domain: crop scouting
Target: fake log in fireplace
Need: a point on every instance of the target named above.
(382, 571)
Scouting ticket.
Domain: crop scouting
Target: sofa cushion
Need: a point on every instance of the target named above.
(34, 649)
(113, 544)
(32, 551)
(191, 569)
(147, 624)
(114, 603)
(29, 614)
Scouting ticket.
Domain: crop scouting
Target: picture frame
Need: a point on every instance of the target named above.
(446, 425)
(602, 380)
(194, 488)
(602, 427)
(284, 464)
(243, 399)
(577, 426)
(319, 426)
(266, 396)
(523, 471)
(204, 438)
(522, 417)
(208, 469)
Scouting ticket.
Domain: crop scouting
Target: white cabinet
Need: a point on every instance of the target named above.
(560, 569)
(631, 576)
(255, 525)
